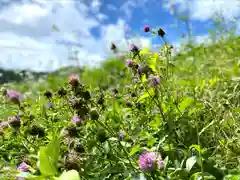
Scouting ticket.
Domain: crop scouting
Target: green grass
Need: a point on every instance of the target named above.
(191, 119)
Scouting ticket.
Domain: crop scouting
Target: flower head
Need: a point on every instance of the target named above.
(146, 28)
(14, 96)
(76, 119)
(113, 46)
(154, 81)
(73, 80)
(49, 105)
(129, 62)
(149, 161)
(23, 167)
(121, 134)
(14, 121)
(161, 33)
(134, 48)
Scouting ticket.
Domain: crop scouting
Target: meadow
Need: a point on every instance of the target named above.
(145, 115)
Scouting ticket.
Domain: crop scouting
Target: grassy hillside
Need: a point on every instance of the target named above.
(153, 116)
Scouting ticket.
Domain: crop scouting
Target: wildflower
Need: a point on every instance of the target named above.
(102, 135)
(161, 33)
(121, 135)
(62, 92)
(128, 104)
(149, 161)
(146, 28)
(23, 167)
(129, 62)
(49, 105)
(14, 96)
(133, 94)
(79, 148)
(14, 121)
(48, 94)
(36, 131)
(76, 119)
(154, 81)
(72, 162)
(134, 49)
(113, 47)
(73, 80)
(72, 131)
(144, 69)
(86, 95)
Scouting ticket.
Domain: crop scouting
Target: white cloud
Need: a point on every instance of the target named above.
(206, 9)
(30, 42)
(95, 5)
(111, 7)
(129, 5)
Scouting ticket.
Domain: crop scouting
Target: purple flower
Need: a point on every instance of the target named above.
(121, 135)
(49, 105)
(134, 48)
(14, 121)
(154, 81)
(149, 161)
(129, 62)
(23, 167)
(14, 96)
(76, 119)
(146, 28)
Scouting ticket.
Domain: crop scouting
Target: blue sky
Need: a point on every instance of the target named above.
(28, 42)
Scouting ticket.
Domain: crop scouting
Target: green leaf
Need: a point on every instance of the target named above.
(46, 166)
(232, 177)
(202, 176)
(185, 103)
(48, 157)
(190, 162)
(69, 175)
(134, 149)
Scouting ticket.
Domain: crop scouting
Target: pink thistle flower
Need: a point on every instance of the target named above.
(73, 80)
(129, 62)
(149, 161)
(76, 119)
(14, 96)
(23, 167)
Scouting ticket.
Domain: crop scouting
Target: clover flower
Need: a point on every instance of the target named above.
(150, 161)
